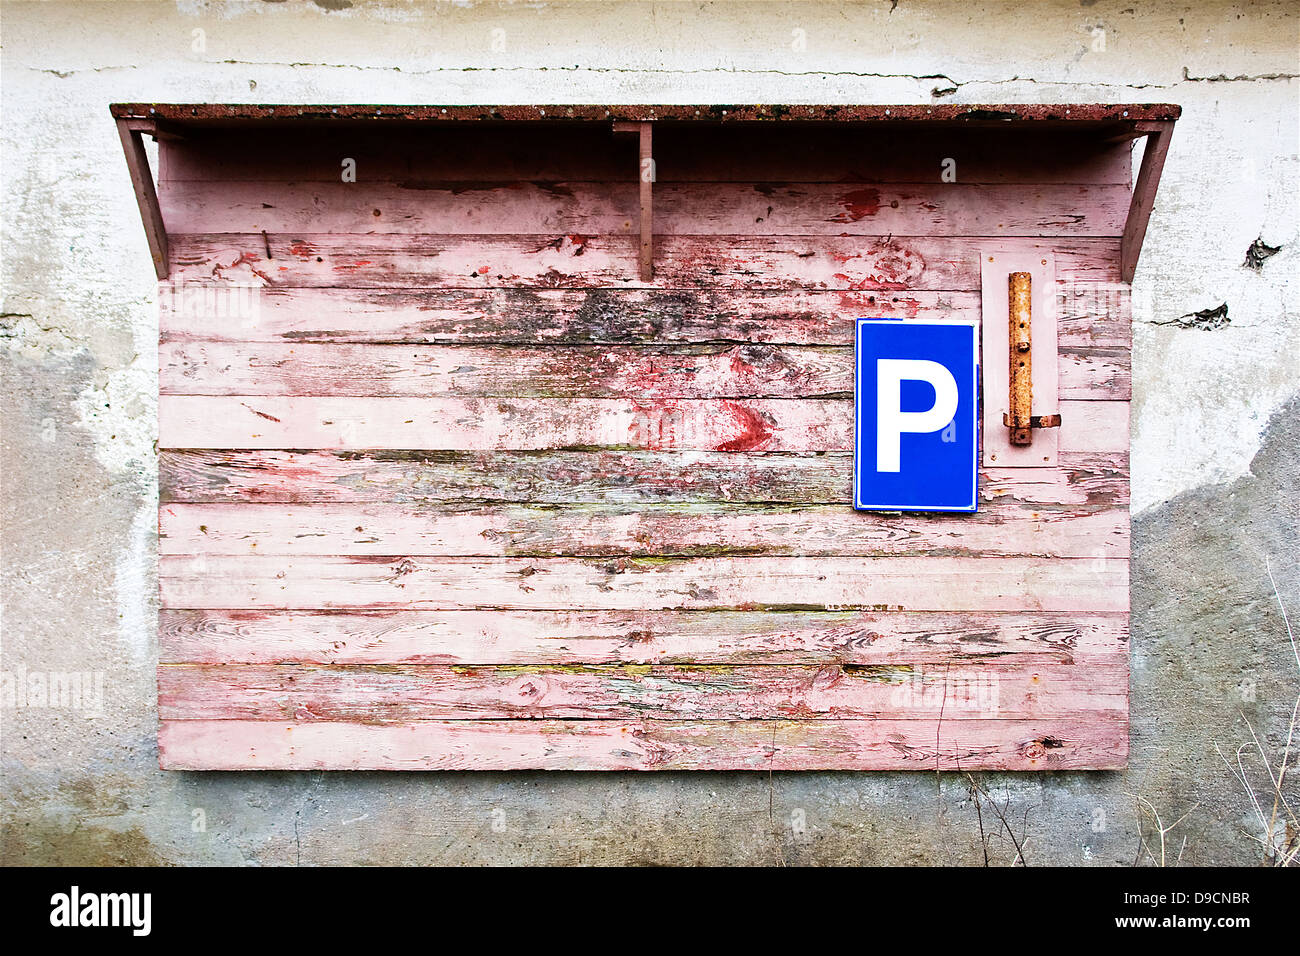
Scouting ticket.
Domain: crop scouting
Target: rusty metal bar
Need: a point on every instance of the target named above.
(1114, 115)
(1020, 398)
(146, 196)
(1021, 395)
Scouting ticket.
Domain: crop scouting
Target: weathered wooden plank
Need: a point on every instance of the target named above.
(452, 423)
(446, 423)
(1087, 742)
(543, 316)
(856, 263)
(187, 367)
(901, 583)
(398, 693)
(1001, 528)
(474, 155)
(1090, 315)
(1094, 315)
(681, 209)
(1095, 374)
(717, 371)
(633, 637)
(574, 477)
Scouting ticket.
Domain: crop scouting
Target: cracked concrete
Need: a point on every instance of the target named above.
(1214, 422)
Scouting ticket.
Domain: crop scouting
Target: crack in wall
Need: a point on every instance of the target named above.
(738, 71)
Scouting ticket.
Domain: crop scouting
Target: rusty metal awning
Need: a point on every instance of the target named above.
(1154, 121)
(1073, 114)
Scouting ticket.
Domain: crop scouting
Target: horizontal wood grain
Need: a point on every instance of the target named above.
(477, 156)
(917, 583)
(452, 423)
(471, 637)
(737, 371)
(1090, 741)
(398, 693)
(254, 313)
(626, 477)
(854, 263)
(1091, 315)
(187, 367)
(1001, 528)
(681, 209)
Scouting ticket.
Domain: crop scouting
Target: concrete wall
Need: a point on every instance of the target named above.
(1215, 432)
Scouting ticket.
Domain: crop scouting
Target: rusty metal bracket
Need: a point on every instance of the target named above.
(646, 172)
(1020, 395)
(132, 133)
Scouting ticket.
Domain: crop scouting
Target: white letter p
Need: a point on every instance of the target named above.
(891, 421)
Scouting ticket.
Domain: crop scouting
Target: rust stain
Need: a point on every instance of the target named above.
(245, 259)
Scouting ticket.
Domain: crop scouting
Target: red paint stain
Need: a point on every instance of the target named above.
(739, 367)
(869, 283)
(301, 249)
(858, 204)
(245, 259)
(646, 377)
(892, 268)
(754, 431)
(892, 306)
(351, 266)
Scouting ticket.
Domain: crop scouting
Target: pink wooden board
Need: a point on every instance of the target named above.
(445, 485)
(916, 582)
(1086, 742)
(680, 209)
(562, 260)
(398, 693)
(1001, 527)
(442, 423)
(691, 371)
(494, 636)
(589, 475)
(1090, 316)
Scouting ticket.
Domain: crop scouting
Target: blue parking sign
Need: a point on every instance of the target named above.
(916, 398)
